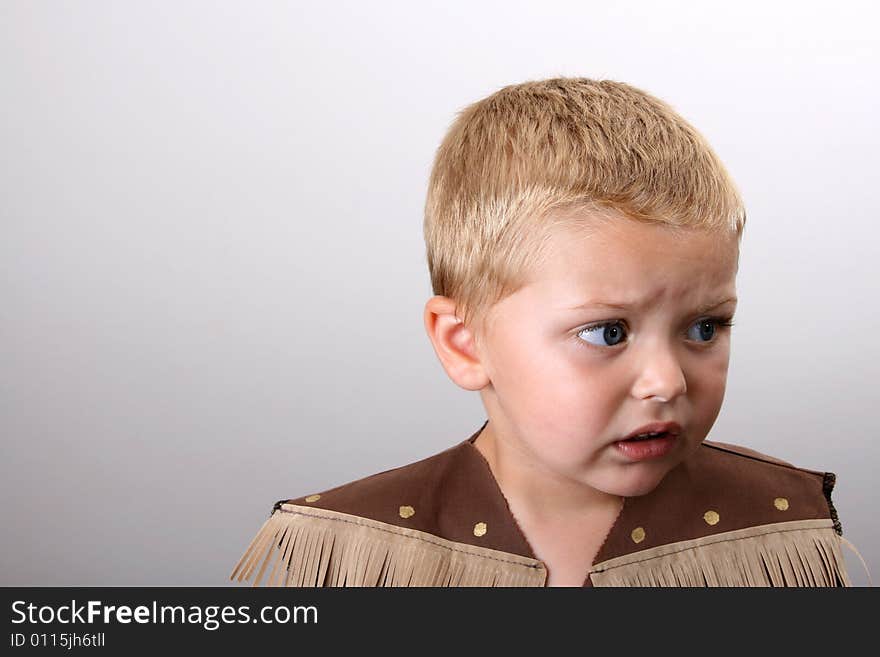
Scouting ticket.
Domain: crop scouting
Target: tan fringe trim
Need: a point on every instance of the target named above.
(852, 547)
(798, 553)
(316, 547)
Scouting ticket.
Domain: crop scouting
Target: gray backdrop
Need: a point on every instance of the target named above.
(212, 269)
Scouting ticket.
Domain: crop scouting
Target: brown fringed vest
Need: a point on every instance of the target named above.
(726, 516)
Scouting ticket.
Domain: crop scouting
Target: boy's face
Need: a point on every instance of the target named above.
(559, 397)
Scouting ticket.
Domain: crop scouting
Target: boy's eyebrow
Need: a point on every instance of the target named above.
(626, 306)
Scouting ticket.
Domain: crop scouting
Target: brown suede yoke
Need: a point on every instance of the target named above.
(720, 488)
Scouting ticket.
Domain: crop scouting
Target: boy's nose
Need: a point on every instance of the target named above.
(661, 378)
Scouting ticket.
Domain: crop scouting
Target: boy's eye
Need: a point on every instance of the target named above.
(705, 330)
(610, 334)
(604, 335)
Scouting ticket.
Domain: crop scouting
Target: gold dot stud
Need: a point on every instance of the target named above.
(638, 534)
(480, 529)
(781, 503)
(407, 512)
(313, 498)
(711, 517)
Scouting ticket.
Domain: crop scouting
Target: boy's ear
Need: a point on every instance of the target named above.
(454, 344)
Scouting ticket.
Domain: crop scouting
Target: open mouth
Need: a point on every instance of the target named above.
(646, 446)
(647, 436)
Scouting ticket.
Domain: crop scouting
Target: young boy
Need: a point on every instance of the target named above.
(583, 244)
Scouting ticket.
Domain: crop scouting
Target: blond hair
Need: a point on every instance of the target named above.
(513, 163)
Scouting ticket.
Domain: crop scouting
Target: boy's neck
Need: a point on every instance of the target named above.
(543, 495)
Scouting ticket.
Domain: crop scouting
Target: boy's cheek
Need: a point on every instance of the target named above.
(716, 380)
(706, 411)
(709, 375)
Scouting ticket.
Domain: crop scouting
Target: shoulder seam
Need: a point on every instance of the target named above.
(364, 478)
(770, 461)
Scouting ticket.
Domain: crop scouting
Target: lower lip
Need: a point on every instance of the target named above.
(641, 450)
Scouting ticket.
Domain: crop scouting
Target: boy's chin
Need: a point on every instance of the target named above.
(637, 490)
(636, 484)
